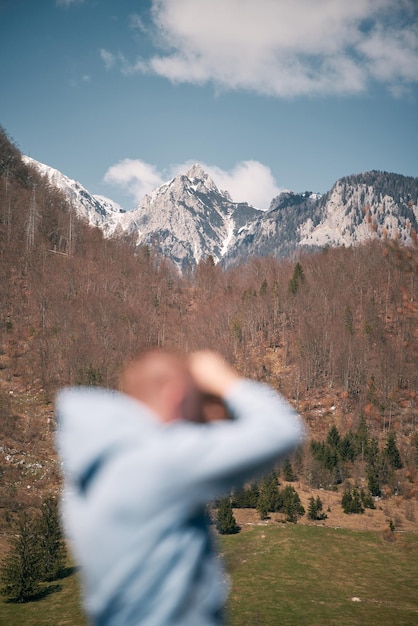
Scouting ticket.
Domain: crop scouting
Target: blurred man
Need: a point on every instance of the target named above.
(139, 467)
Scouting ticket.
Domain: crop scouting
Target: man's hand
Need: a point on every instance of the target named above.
(211, 373)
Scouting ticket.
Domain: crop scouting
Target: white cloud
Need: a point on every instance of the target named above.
(135, 176)
(248, 181)
(284, 48)
(389, 54)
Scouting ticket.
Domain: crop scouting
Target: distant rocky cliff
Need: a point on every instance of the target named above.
(188, 218)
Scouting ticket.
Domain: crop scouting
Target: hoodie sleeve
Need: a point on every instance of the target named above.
(212, 458)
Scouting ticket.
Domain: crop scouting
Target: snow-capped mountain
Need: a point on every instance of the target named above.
(186, 219)
(189, 218)
(97, 210)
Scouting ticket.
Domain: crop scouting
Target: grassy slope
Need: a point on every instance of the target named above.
(291, 575)
(308, 575)
(61, 607)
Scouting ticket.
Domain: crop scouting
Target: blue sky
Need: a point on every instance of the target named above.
(266, 94)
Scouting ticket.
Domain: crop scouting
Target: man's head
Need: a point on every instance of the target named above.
(163, 382)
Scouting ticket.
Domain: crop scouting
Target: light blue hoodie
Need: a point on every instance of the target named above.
(135, 494)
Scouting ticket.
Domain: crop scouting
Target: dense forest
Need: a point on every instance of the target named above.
(335, 331)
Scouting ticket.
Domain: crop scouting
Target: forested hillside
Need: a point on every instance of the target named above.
(336, 332)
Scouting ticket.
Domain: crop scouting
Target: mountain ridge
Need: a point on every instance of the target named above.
(98, 210)
(189, 218)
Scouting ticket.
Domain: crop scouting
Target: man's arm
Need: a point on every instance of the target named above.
(211, 459)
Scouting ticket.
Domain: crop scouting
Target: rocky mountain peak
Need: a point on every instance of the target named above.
(197, 172)
(196, 179)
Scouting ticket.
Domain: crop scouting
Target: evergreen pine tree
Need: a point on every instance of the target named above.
(262, 507)
(366, 500)
(225, 521)
(333, 437)
(21, 570)
(290, 504)
(373, 482)
(356, 505)
(288, 473)
(253, 493)
(346, 501)
(373, 467)
(269, 494)
(315, 509)
(319, 507)
(392, 453)
(312, 508)
(346, 447)
(52, 548)
(247, 497)
(351, 502)
(297, 278)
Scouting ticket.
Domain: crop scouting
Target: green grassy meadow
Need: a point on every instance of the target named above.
(308, 575)
(287, 574)
(60, 607)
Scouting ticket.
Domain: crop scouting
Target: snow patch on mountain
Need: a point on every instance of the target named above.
(97, 210)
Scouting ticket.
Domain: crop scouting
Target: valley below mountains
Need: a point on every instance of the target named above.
(189, 219)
